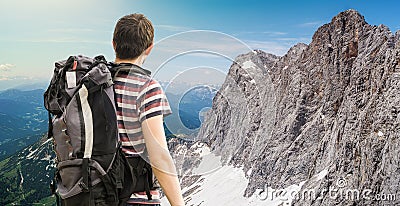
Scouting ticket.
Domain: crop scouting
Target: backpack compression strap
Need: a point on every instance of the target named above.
(87, 130)
(142, 170)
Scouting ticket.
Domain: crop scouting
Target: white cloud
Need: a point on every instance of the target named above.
(275, 33)
(172, 27)
(294, 39)
(71, 30)
(197, 43)
(204, 54)
(11, 78)
(6, 67)
(277, 48)
(65, 40)
(310, 24)
(270, 33)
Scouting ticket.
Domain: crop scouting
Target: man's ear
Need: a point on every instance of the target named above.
(148, 50)
(113, 44)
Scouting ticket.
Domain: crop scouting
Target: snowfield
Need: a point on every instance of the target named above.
(225, 185)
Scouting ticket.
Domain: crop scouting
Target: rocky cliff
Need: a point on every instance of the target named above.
(325, 115)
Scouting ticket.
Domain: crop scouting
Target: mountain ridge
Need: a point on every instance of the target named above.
(327, 106)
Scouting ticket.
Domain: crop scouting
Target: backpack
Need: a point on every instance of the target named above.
(91, 167)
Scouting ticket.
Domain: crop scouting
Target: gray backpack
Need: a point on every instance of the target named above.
(91, 168)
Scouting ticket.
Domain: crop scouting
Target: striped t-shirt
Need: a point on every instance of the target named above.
(138, 97)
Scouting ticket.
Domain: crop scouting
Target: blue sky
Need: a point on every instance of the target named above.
(36, 33)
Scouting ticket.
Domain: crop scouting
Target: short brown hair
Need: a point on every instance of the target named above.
(133, 34)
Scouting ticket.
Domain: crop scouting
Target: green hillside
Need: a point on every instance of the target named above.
(25, 176)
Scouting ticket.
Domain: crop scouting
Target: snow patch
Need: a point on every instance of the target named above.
(200, 148)
(181, 150)
(209, 163)
(32, 153)
(226, 185)
(22, 179)
(46, 158)
(248, 64)
(380, 134)
(35, 152)
(322, 174)
(249, 172)
(48, 140)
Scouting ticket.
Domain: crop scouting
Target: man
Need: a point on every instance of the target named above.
(141, 105)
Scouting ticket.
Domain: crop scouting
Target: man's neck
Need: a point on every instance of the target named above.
(131, 61)
(138, 60)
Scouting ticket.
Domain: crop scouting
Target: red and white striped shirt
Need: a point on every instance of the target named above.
(138, 97)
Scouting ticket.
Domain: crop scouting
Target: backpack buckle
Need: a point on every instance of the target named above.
(109, 83)
(84, 187)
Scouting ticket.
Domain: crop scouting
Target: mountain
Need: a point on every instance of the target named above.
(321, 121)
(33, 86)
(23, 119)
(188, 109)
(195, 101)
(25, 176)
(317, 126)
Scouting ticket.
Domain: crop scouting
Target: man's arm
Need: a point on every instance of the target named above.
(161, 160)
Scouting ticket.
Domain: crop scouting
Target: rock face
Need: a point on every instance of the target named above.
(331, 107)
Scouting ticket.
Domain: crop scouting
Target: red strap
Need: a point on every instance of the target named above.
(75, 65)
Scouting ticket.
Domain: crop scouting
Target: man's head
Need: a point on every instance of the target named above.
(133, 36)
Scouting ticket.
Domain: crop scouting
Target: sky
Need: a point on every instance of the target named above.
(194, 40)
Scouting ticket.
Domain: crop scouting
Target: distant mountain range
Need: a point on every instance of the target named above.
(188, 109)
(23, 119)
(23, 84)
